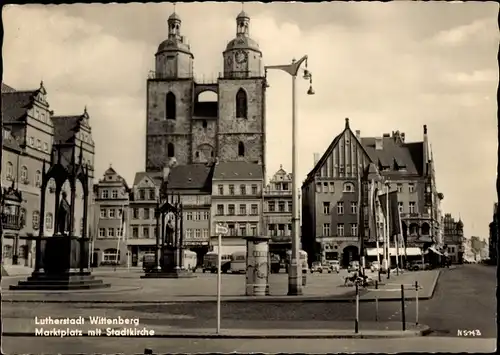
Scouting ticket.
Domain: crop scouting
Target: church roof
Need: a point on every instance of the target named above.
(243, 42)
(174, 45)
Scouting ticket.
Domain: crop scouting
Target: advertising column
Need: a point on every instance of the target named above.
(250, 267)
(261, 268)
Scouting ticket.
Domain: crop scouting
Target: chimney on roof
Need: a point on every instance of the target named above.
(347, 122)
(386, 135)
(425, 152)
(379, 143)
(316, 158)
(358, 134)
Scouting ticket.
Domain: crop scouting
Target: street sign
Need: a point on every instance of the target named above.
(220, 228)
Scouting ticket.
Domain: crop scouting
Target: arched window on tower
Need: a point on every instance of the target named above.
(241, 104)
(241, 149)
(170, 150)
(170, 106)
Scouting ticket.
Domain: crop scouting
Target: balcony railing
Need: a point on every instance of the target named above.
(277, 192)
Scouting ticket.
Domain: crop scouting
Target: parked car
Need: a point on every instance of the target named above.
(334, 266)
(353, 266)
(316, 267)
(375, 266)
(419, 265)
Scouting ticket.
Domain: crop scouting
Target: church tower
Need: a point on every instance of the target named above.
(169, 101)
(241, 126)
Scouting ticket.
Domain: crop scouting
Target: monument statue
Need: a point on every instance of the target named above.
(63, 215)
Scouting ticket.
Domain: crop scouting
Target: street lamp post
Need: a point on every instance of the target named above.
(295, 267)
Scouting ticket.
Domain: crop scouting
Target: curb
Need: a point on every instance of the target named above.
(374, 334)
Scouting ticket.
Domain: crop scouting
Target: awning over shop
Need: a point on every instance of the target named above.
(230, 249)
(392, 251)
(434, 250)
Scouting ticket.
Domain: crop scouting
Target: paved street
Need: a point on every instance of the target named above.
(316, 346)
(464, 300)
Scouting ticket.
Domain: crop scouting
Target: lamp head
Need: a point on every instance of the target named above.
(310, 91)
(307, 74)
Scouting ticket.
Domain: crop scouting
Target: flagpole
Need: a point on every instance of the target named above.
(119, 238)
(374, 219)
(387, 231)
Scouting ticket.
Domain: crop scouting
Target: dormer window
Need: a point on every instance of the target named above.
(348, 187)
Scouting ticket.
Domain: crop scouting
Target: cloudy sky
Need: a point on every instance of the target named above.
(386, 66)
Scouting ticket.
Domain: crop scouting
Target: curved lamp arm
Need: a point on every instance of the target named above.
(291, 69)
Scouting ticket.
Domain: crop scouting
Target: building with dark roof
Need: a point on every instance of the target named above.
(193, 183)
(110, 220)
(277, 212)
(237, 197)
(453, 238)
(31, 133)
(330, 201)
(144, 194)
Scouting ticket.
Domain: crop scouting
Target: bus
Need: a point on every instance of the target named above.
(239, 262)
(303, 259)
(211, 260)
(189, 259)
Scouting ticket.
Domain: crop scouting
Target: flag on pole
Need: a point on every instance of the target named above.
(393, 209)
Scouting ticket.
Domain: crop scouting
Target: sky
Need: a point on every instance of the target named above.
(386, 66)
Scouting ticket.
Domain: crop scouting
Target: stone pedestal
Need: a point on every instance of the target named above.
(61, 267)
(258, 266)
(168, 267)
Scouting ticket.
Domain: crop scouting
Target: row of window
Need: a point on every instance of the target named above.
(241, 105)
(279, 230)
(146, 194)
(171, 150)
(24, 174)
(44, 146)
(110, 232)
(106, 193)
(111, 213)
(196, 233)
(242, 229)
(354, 207)
(231, 210)
(242, 189)
(329, 187)
(340, 230)
(49, 220)
(271, 206)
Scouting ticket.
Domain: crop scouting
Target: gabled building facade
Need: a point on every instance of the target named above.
(193, 183)
(453, 238)
(277, 212)
(111, 215)
(143, 202)
(331, 201)
(32, 136)
(237, 202)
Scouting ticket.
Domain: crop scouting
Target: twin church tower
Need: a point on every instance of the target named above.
(191, 131)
